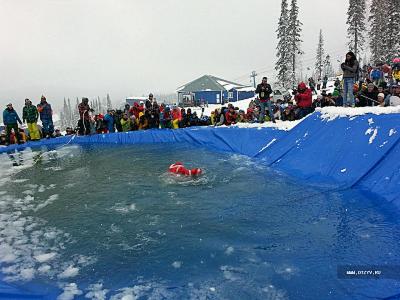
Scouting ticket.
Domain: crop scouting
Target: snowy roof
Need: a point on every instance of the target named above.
(210, 83)
(136, 98)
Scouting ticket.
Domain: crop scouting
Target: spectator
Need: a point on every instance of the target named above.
(324, 82)
(220, 116)
(183, 118)
(350, 70)
(117, 118)
(176, 117)
(127, 109)
(318, 102)
(264, 92)
(327, 100)
(100, 124)
(303, 99)
(311, 83)
(337, 97)
(377, 76)
(337, 84)
(368, 97)
(22, 134)
(69, 131)
(230, 116)
(166, 118)
(242, 117)
(46, 116)
(57, 133)
(30, 115)
(110, 121)
(84, 118)
(126, 122)
(381, 99)
(149, 102)
(154, 116)
(11, 120)
(393, 99)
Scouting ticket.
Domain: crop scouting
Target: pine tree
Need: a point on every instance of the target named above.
(294, 31)
(319, 63)
(328, 69)
(356, 22)
(391, 36)
(282, 64)
(69, 113)
(64, 115)
(109, 105)
(377, 21)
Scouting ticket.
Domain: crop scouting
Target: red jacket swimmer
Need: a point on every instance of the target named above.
(178, 168)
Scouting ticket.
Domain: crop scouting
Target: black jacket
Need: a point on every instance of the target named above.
(264, 91)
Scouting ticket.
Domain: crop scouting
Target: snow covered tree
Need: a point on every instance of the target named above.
(391, 34)
(377, 21)
(328, 69)
(356, 22)
(294, 31)
(282, 65)
(319, 62)
(109, 105)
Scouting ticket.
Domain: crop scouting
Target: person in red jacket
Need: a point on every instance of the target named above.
(303, 99)
(230, 116)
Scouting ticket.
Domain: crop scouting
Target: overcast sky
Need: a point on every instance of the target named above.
(70, 48)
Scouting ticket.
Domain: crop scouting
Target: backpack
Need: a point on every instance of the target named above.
(376, 74)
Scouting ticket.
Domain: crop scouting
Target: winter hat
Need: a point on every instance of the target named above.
(335, 93)
(302, 86)
(382, 95)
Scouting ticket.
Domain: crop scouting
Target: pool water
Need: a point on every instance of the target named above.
(111, 223)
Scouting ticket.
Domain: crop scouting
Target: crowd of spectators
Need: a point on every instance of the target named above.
(372, 89)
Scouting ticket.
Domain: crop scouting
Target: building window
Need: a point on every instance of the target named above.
(230, 95)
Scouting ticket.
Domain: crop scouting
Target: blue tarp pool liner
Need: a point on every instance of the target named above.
(361, 152)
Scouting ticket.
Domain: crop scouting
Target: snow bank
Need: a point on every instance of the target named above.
(331, 113)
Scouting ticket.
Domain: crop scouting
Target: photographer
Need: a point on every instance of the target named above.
(303, 99)
(264, 92)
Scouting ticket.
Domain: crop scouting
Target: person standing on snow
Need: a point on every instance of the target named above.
(264, 92)
(149, 102)
(350, 70)
(46, 116)
(84, 118)
(30, 115)
(324, 82)
(11, 120)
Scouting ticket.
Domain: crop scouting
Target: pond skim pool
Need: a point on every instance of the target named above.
(111, 223)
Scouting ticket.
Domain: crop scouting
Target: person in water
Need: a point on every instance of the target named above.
(178, 168)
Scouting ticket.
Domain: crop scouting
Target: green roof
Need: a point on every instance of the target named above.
(210, 83)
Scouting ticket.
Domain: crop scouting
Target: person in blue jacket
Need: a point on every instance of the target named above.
(110, 121)
(11, 120)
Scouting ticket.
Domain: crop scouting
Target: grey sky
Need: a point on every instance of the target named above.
(70, 48)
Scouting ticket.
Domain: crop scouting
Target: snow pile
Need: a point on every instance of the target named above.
(332, 112)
